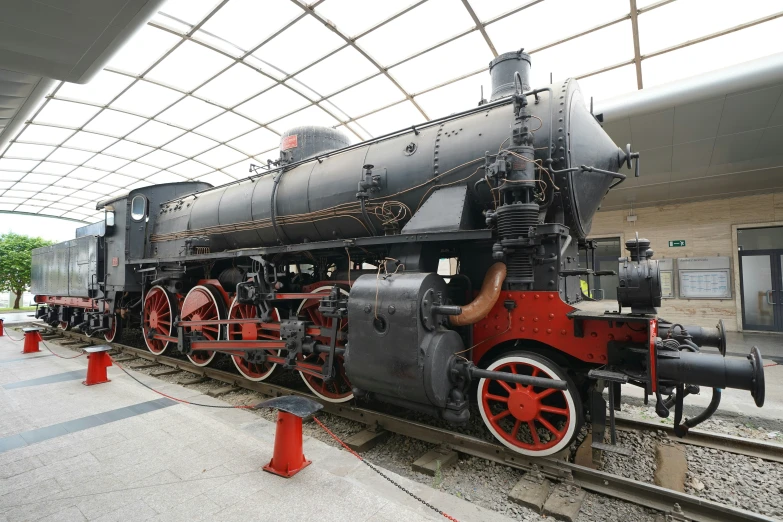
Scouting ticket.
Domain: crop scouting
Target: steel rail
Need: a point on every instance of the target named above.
(629, 490)
(730, 443)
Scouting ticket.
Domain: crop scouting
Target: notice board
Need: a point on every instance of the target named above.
(704, 277)
(666, 267)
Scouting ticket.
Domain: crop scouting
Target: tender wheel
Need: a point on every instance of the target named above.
(338, 389)
(250, 332)
(115, 331)
(64, 325)
(531, 421)
(203, 303)
(158, 314)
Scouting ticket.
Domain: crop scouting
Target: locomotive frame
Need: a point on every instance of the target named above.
(326, 265)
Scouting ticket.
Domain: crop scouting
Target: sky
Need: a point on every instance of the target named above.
(53, 229)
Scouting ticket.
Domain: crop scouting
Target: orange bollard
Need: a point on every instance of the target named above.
(99, 360)
(288, 458)
(1, 326)
(31, 338)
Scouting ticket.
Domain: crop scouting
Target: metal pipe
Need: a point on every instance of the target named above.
(485, 300)
(525, 380)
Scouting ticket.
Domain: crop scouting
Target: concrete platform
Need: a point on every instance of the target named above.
(118, 451)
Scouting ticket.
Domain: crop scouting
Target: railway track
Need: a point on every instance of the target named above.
(648, 495)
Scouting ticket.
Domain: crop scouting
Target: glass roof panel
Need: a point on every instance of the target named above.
(161, 158)
(11, 176)
(277, 101)
(353, 17)
(571, 16)
(163, 20)
(44, 134)
(725, 51)
(58, 169)
(189, 11)
(29, 187)
(165, 177)
(351, 64)
(216, 179)
(191, 169)
(609, 84)
(226, 127)
(114, 123)
(247, 23)
(239, 170)
(190, 144)
(100, 90)
(259, 140)
(45, 196)
(490, 10)
(139, 184)
(312, 115)
(64, 155)
(583, 55)
(234, 86)
(138, 170)
(189, 112)
(367, 96)
(155, 133)
(144, 49)
(334, 110)
(303, 89)
(128, 150)
(464, 55)
(33, 209)
(421, 33)
(146, 99)
(215, 42)
(261, 66)
(62, 206)
(678, 19)
(118, 180)
(86, 173)
(26, 151)
(356, 129)
(394, 118)
(188, 66)
(220, 157)
(89, 141)
(299, 45)
(103, 162)
(58, 192)
(459, 96)
(17, 164)
(71, 183)
(66, 114)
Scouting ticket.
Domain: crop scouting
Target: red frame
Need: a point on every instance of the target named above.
(78, 302)
(542, 316)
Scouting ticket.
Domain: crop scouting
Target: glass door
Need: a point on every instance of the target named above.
(760, 283)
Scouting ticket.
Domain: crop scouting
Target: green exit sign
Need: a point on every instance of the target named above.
(677, 243)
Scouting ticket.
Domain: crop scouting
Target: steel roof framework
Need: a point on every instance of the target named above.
(34, 180)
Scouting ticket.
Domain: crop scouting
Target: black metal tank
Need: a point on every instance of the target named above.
(448, 150)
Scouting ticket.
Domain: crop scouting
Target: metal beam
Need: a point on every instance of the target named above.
(637, 58)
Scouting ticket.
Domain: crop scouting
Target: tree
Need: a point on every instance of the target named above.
(16, 257)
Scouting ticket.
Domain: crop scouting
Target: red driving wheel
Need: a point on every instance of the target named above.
(158, 315)
(527, 419)
(251, 332)
(203, 303)
(338, 389)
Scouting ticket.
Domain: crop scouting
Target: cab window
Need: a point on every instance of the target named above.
(138, 208)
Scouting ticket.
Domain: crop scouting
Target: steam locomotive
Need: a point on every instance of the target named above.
(327, 264)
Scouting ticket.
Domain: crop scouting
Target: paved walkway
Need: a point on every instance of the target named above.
(120, 452)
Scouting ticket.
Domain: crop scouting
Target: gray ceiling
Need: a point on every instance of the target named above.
(46, 40)
(715, 135)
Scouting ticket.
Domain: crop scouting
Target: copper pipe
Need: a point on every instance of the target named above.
(479, 308)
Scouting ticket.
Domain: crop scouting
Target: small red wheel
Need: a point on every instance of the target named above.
(529, 420)
(157, 314)
(250, 332)
(203, 303)
(116, 328)
(338, 389)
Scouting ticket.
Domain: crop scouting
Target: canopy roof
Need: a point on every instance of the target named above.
(206, 87)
